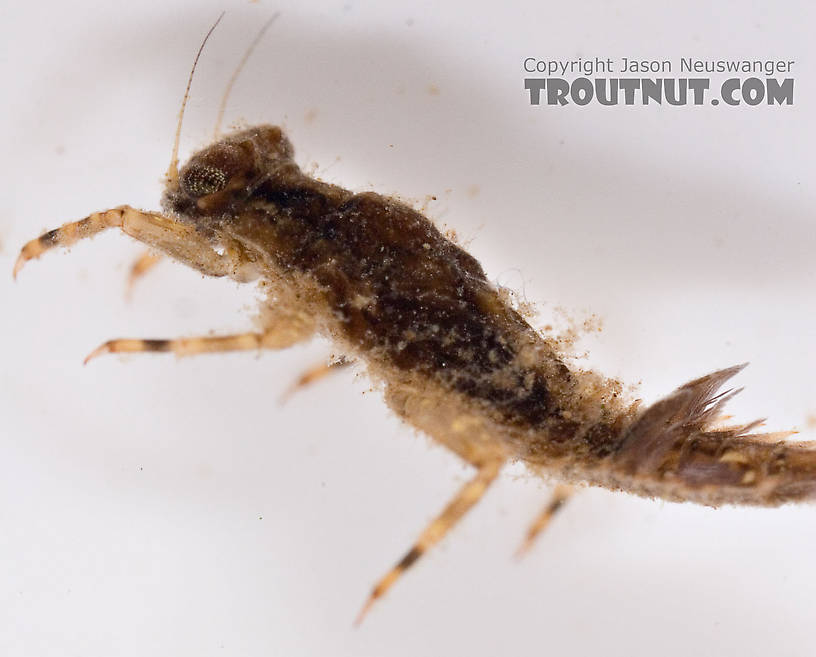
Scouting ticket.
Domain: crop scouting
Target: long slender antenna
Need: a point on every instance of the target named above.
(238, 70)
(172, 170)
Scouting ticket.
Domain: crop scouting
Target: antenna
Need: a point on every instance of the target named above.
(238, 70)
(172, 170)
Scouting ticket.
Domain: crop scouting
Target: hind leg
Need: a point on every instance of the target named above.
(559, 498)
(464, 500)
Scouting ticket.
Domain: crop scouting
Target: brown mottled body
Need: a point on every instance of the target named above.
(380, 279)
(454, 360)
(384, 282)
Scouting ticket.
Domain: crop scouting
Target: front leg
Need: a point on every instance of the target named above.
(175, 238)
(143, 264)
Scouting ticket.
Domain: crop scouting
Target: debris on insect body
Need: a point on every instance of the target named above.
(451, 355)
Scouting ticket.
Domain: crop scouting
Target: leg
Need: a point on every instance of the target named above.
(469, 495)
(285, 332)
(143, 264)
(559, 498)
(179, 240)
(314, 374)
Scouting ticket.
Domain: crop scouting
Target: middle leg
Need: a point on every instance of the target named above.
(281, 329)
(314, 374)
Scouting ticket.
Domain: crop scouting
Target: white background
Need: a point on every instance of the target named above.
(156, 506)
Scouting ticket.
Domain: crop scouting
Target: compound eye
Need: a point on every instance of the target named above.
(201, 180)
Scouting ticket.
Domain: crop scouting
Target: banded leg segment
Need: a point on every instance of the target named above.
(465, 499)
(279, 337)
(179, 240)
(68, 234)
(559, 498)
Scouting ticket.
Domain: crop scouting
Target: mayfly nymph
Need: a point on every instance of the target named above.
(451, 356)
